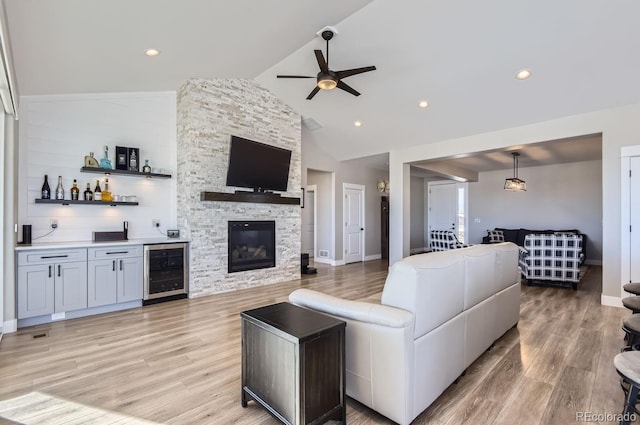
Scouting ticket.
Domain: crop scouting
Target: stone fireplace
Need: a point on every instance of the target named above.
(208, 113)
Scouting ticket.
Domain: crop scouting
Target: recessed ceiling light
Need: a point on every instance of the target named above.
(523, 74)
(423, 104)
(358, 124)
(152, 52)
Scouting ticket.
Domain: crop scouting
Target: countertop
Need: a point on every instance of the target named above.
(92, 244)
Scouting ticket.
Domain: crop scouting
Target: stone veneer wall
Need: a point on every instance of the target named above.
(208, 113)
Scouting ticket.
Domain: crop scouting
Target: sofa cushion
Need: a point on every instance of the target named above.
(495, 236)
(431, 286)
(510, 235)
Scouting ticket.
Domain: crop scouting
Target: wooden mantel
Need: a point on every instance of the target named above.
(256, 198)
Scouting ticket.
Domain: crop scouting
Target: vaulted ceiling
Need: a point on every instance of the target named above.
(461, 56)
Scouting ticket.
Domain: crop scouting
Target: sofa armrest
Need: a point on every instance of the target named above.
(355, 310)
(379, 351)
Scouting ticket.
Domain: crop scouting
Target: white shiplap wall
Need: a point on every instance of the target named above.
(56, 132)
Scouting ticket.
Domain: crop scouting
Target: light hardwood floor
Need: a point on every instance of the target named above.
(179, 362)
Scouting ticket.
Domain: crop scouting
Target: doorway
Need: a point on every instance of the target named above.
(309, 217)
(353, 219)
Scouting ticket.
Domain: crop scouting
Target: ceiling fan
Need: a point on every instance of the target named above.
(328, 79)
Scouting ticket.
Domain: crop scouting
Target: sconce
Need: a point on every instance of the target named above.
(383, 186)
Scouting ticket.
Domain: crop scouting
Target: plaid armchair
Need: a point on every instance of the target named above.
(444, 240)
(552, 257)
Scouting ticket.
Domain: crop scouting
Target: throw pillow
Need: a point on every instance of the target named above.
(495, 236)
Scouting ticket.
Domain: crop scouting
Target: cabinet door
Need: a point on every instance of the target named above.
(101, 285)
(70, 286)
(130, 285)
(35, 290)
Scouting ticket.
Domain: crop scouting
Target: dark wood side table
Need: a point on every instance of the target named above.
(293, 363)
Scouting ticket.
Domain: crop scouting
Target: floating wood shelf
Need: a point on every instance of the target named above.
(123, 172)
(81, 202)
(256, 198)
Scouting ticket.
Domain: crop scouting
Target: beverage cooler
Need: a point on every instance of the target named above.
(166, 272)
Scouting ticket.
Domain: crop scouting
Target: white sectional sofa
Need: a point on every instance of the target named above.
(438, 313)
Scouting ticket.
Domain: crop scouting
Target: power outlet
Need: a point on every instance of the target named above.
(54, 223)
(155, 223)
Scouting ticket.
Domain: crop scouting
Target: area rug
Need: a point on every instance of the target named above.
(37, 408)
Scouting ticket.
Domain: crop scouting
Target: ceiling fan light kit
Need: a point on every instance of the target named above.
(327, 79)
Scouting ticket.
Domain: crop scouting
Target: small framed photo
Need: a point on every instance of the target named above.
(122, 158)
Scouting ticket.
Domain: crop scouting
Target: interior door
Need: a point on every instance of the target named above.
(634, 249)
(443, 207)
(353, 224)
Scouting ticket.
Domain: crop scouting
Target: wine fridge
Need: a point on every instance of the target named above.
(166, 272)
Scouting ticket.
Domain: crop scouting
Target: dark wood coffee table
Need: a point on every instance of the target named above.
(293, 363)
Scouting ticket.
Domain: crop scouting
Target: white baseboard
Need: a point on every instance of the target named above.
(323, 260)
(10, 326)
(422, 250)
(342, 262)
(611, 301)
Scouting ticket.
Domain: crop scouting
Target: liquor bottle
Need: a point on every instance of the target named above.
(88, 194)
(146, 168)
(59, 189)
(133, 161)
(97, 192)
(106, 194)
(90, 161)
(75, 192)
(46, 190)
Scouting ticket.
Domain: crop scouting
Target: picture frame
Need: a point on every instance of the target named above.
(122, 158)
(302, 199)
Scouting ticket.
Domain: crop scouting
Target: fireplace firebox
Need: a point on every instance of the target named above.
(252, 245)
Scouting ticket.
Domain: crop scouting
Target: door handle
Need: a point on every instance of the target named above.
(120, 265)
(50, 271)
(114, 265)
(362, 228)
(59, 267)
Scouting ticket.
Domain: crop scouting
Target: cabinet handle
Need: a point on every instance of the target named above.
(44, 257)
(117, 252)
(121, 265)
(50, 271)
(58, 270)
(114, 266)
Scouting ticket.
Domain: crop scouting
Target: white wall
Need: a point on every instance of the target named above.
(619, 127)
(418, 213)
(560, 196)
(2, 202)
(56, 132)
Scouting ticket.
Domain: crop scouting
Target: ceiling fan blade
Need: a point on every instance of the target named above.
(347, 88)
(313, 93)
(293, 76)
(349, 72)
(324, 67)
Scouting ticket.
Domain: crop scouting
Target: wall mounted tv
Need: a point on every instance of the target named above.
(258, 166)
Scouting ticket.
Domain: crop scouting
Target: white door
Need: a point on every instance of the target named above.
(353, 223)
(447, 208)
(308, 221)
(634, 189)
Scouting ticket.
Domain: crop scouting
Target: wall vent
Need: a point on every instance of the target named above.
(323, 253)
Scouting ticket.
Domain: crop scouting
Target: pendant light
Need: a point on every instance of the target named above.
(515, 184)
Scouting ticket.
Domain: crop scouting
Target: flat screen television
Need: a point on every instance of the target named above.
(258, 166)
